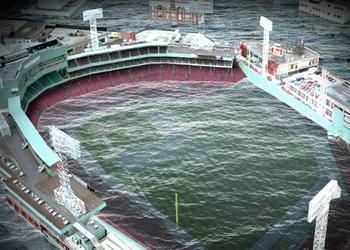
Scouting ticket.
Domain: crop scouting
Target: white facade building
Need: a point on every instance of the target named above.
(336, 11)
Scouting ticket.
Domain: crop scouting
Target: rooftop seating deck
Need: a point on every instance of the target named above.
(58, 222)
(48, 184)
(293, 52)
(341, 93)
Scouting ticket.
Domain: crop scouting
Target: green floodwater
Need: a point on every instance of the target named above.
(238, 165)
(252, 153)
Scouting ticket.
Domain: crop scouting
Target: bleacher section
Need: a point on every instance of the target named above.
(54, 76)
(43, 83)
(146, 55)
(72, 64)
(156, 60)
(87, 82)
(99, 71)
(83, 61)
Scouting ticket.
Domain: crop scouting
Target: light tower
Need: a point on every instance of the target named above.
(319, 208)
(267, 25)
(65, 145)
(92, 15)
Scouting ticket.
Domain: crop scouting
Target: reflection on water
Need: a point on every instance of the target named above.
(244, 168)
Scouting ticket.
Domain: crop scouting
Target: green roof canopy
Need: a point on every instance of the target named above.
(36, 142)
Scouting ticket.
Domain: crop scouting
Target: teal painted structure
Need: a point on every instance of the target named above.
(47, 223)
(340, 127)
(41, 85)
(32, 136)
(42, 219)
(121, 235)
(4, 173)
(337, 128)
(150, 55)
(30, 70)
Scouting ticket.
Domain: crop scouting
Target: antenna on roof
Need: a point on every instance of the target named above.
(92, 15)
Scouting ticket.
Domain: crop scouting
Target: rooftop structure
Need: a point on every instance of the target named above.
(163, 36)
(282, 59)
(53, 8)
(193, 44)
(198, 41)
(312, 87)
(48, 185)
(16, 35)
(288, 52)
(180, 11)
(11, 69)
(341, 94)
(75, 40)
(294, 76)
(14, 45)
(333, 10)
(194, 40)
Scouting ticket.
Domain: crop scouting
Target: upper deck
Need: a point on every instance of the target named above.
(283, 59)
(29, 184)
(286, 53)
(341, 94)
(193, 44)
